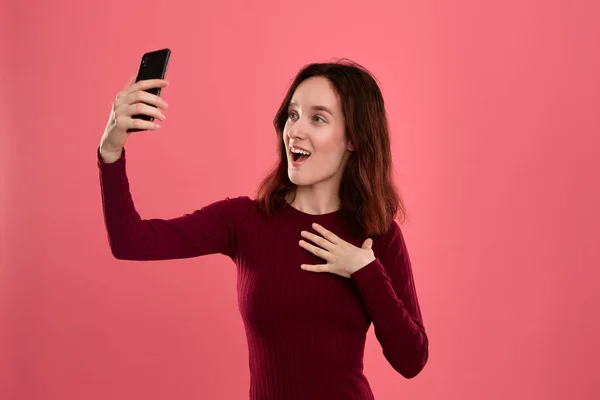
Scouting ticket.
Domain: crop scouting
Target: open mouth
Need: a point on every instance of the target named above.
(296, 157)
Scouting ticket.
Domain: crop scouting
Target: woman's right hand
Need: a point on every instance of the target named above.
(130, 101)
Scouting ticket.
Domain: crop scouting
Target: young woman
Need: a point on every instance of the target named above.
(318, 252)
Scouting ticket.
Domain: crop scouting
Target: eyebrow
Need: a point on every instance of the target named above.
(317, 107)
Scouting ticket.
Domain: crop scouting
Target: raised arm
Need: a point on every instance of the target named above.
(211, 229)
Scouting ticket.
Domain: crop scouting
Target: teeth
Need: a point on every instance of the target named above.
(293, 150)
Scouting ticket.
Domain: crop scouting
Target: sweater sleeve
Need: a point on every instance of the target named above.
(388, 291)
(209, 230)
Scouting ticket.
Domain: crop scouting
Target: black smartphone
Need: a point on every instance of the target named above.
(153, 66)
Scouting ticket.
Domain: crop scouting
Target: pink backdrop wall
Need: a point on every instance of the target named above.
(494, 110)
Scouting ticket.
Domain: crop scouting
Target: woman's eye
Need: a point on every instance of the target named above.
(290, 114)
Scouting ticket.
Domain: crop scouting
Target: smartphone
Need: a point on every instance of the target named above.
(153, 66)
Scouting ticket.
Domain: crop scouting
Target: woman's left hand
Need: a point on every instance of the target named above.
(342, 258)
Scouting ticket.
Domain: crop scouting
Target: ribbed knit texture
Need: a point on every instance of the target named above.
(306, 331)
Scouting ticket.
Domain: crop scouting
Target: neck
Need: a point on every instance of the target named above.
(311, 202)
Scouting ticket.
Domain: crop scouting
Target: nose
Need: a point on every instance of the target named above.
(296, 131)
(292, 134)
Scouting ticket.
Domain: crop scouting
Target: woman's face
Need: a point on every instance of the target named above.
(316, 124)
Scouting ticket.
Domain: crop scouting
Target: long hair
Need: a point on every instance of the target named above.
(367, 191)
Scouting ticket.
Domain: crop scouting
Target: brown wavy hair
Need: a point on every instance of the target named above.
(367, 191)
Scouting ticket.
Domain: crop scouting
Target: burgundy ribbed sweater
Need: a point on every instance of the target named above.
(306, 331)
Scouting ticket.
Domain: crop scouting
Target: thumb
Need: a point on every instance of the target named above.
(131, 81)
(367, 243)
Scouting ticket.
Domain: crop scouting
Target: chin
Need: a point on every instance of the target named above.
(298, 181)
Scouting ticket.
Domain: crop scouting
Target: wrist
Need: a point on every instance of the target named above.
(364, 263)
(110, 155)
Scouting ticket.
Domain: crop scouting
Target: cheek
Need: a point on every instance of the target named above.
(285, 137)
(330, 146)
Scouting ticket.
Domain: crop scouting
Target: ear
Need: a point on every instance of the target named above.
(351, 146)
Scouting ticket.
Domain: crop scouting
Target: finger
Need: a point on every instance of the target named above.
(326, 234)
(144, 97)
(315, 268)
(131, 81)
(127, 123)
(145, 85)
(141, 108)
(324, 243)
(317, 251)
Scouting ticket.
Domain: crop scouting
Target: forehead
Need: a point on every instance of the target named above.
(316, 90)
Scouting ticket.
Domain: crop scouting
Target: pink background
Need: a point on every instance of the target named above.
(494, 111)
